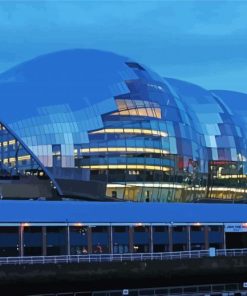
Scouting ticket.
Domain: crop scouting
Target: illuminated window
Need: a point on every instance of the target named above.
(129, 107)
(24, 157)
(130, 131)
(127, 167)
(143, 112)
(124, 149)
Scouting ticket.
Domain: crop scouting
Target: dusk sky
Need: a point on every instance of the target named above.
(204, 42)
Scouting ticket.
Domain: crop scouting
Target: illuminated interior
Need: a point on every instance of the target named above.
(130, 131)
(123, 132)
(123, 149)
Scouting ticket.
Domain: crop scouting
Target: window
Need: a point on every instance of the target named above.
(215, 228)
(138, 108)
(179, 228)
(135, 66)
(141, 228)
(197, 228)
(120, 229)
(160, 228)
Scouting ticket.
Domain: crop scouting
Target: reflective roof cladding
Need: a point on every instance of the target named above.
(126, 132)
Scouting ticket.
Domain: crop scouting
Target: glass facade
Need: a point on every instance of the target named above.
(99, 118)
(77, 239)
(21, 173)
(9, 241)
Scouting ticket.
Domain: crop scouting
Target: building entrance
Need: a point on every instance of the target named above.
(236, 240)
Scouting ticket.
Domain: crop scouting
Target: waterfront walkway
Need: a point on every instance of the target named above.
(68, 259)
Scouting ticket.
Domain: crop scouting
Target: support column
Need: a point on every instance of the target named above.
(68, 240)
(206, 237)
(21, 240)
(224, 236)
(188, 237)
(110, 235)
(44, 241)
(131, 239)
(170, 236)
(89, 240)
(151, 240)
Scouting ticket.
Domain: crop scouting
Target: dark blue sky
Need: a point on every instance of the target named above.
(204, 42)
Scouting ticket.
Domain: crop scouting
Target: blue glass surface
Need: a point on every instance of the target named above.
(144, 136)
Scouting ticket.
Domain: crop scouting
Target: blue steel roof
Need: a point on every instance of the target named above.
(127, 212)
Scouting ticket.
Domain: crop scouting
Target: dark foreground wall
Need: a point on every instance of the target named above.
(27, 279)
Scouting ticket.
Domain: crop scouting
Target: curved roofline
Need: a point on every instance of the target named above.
(33, 155)
(229, 91)
(199, 86)
(44, 55)
(185, 81)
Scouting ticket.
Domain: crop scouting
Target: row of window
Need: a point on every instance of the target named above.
(55, 240)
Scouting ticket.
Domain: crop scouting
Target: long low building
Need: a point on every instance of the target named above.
(34, 228)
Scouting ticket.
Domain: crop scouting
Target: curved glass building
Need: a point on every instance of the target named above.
(94, 125)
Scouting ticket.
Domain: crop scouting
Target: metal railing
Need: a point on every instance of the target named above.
(119, 257)
(199, 290)
(65, 294)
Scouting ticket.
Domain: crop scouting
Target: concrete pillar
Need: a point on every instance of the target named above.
(110, 238)
(170, 236)
(44, 241)
(206, 237)
(188, 228)
(89, 240)
(21, 240)
(224, 237)
(68, 240)
(151, 240)
(131, 239)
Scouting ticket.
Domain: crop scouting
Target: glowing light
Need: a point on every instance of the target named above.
(146, 112)
(126, 167)
(138, 224)
(25, 224)
(197, 224)
(12, 142)
(130, 131)
(124, 149)
(78, 224)
(24, 157)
